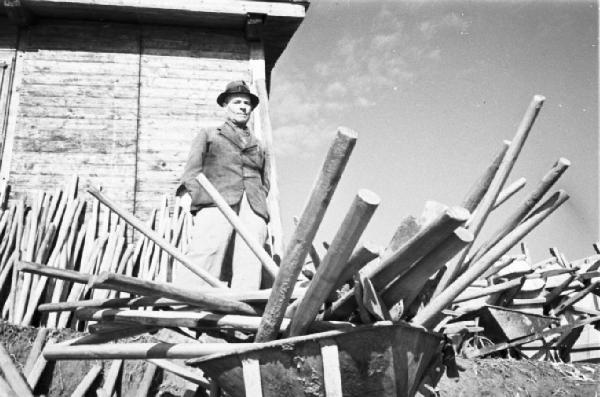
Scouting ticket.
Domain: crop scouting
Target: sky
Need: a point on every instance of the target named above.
(432, 89)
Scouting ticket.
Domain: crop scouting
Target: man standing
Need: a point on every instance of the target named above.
(234, 161)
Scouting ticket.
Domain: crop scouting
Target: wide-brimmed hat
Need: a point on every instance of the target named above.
(237, 87)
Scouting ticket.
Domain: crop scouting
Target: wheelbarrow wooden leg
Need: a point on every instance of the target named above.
(331, 368)
(251, 371)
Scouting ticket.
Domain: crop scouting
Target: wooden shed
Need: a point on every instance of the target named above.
(114, 90)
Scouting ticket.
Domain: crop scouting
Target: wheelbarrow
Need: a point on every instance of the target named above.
(502, 324)
(377, 360)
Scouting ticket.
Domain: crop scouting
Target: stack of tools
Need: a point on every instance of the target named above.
(431, 276)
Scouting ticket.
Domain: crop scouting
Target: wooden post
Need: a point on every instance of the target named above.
(526, 206)
(364, 205)
(13, 375)
(156, 238)
(36, 372)
(489, 199)
(143, 389)
(481, 186)
(574, 299)
(5, 389)
(87, 381)
(408, 286)
(429, 237)
(36, 349)
(365, 253)
(183, 372)
(492, 289)
(189, 319)
(310, 220)
(407, 229)
(509, 191)
(133, 351)
(263, 118)
(143, 287)
(259, 296)
(63, 274)
(427, 316)
(111, 377)
(239, 227)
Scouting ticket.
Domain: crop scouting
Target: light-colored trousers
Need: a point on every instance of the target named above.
(210, 239)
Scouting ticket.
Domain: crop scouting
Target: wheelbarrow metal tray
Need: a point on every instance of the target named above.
(378, 360)
(503, 324)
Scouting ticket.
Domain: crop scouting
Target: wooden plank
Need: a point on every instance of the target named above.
(231, 7)
(251, 374)
(331, 368)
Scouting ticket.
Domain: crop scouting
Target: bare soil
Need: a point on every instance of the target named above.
(484, 377)
(506, 377)
(62, 377)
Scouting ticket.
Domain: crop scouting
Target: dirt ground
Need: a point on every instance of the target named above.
(520, 378)
(485, 377)
(62, 377)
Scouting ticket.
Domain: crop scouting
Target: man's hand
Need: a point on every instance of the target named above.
(186, 202)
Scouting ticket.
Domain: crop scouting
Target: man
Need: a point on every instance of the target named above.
(234, 161)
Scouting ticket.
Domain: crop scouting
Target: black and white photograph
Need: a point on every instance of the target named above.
(290, 198)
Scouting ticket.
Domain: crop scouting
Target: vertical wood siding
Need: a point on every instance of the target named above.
(115, 102)
(78, 107)
(182, 72)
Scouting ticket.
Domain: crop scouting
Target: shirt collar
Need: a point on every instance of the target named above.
(235, 128)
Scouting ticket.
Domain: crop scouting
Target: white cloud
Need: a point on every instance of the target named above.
(388, 55)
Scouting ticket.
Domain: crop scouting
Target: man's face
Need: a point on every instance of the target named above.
(238, 108)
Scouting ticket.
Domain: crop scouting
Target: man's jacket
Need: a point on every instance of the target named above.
(232, 163)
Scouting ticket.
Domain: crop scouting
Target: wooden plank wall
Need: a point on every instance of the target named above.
(78, 107)
(115, 102)
(182, 72)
